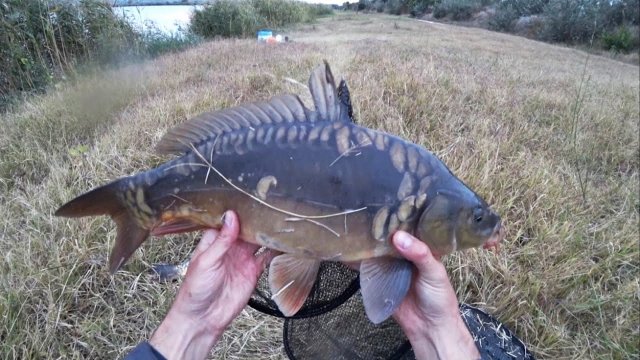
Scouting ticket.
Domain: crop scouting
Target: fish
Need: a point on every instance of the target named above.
(309, 183)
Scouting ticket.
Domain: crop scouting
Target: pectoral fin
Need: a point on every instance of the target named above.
(384, 283)
(291, 279)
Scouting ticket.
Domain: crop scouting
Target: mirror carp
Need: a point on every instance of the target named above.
(309, 183)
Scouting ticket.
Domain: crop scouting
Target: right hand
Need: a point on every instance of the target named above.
(429, 314)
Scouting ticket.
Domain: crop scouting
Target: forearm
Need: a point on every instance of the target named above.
(453, 342)
(181, 338)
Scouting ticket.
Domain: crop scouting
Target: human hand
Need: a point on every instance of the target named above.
(429, 314)
(221, 277)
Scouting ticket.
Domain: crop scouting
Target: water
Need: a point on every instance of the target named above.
(167, 18)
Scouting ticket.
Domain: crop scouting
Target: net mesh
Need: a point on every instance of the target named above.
(345, 333)
(335, 284)
(332, 324)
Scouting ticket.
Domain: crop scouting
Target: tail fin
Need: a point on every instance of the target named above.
(105, 201)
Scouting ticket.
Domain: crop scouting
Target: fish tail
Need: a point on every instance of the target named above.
(105, 200)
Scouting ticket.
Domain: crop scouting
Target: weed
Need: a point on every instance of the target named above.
(227, 18)
(619, 41)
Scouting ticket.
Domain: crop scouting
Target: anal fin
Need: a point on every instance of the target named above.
(384, 283)
(177, 226)
(291, 279)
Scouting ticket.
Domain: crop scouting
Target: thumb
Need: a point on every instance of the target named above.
(224, 239)
(420, 255)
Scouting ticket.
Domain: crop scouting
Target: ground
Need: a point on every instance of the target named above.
(548, 135)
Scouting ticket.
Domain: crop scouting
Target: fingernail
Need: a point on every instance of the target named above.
(228, 219)
(403, 240)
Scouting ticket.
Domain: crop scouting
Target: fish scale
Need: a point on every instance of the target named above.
(318, 166)
(306, 182)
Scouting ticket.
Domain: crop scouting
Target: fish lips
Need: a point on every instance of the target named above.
(496, 237)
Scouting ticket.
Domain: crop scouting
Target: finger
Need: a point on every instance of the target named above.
(420, 255)
(246, 252)
(207, 240)
(230, 229)
(243, 250)
(225, 239)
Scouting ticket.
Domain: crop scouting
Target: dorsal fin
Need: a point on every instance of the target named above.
(324, 93)
(345, 100)
(283, 108)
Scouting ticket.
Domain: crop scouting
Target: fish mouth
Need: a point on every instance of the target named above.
(493, 243)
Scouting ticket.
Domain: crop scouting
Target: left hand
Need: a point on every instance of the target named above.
(221, 277)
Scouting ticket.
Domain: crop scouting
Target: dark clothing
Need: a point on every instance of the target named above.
(144, 351)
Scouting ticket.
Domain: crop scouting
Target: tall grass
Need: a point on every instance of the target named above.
(41, 40)
(242, 18)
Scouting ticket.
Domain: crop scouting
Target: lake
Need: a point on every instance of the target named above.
(167, 18)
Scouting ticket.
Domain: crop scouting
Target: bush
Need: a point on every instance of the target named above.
(242, 18)
(396, 7)
(457, 10)
(618, 41)
(509, 11)
(504, 19)
(570, 21)
(419, 9)
(157, 42)
(319, 10)
(279, 13)
(227, 18)
(523, 7)
(439, 12)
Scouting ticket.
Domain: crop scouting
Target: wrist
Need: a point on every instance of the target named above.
(180, 337)
(451, 341)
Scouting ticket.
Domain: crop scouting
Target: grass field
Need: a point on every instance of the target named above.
(547, 134)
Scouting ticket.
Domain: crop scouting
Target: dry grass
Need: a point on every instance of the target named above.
(547, 134)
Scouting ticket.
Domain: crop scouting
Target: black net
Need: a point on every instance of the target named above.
(494, 340)
(332, 324)
(335, 284)
(345, 333)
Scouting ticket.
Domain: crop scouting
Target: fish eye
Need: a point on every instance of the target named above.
(477, 215)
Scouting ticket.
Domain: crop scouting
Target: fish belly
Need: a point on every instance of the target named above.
(280, 223)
